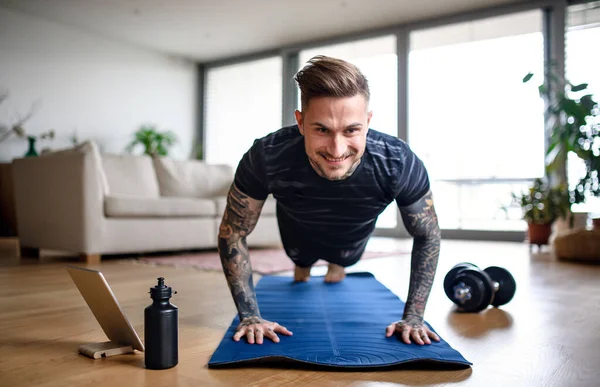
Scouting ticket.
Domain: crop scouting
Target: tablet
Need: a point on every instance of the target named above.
(104, 305)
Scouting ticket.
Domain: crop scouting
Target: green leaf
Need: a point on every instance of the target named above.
(527, 77)
(579, 87)
(542, 90)
(588, 102)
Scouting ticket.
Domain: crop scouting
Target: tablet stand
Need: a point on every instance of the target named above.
(106, 349)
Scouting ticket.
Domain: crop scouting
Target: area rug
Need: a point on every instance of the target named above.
(264, 261)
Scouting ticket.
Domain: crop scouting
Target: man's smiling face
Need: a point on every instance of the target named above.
(335, 134)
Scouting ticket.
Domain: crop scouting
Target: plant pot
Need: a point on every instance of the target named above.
(539, 234)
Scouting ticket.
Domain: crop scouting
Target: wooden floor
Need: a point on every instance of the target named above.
(549, 335)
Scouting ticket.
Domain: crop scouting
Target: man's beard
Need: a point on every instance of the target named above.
(323, 173)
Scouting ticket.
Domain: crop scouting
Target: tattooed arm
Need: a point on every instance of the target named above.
(240, 218)
(421, 222)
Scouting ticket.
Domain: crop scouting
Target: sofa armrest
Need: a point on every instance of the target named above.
(59, 201)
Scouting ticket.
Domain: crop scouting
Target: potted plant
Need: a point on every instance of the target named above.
(573, 126)
(155, 143)
(541, 206)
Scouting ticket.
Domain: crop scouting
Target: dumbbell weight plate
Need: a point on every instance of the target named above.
(448, 287)
(481, 290)
(507, 285)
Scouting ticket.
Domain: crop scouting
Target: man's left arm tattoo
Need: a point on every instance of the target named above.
(421, 222)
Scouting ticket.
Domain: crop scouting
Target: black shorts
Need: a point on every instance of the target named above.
(306, 257)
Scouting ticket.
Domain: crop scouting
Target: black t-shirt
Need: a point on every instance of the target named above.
(327, 218)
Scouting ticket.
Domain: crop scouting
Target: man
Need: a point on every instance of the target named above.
(331, 176)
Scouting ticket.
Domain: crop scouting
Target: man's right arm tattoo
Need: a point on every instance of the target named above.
(421, 221)
(239, 219)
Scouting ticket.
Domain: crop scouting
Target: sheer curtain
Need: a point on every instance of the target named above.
(243, 102)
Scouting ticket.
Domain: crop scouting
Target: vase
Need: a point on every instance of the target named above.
(539, 234)
(31, 152)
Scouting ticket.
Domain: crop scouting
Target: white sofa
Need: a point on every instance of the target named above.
(91, 203)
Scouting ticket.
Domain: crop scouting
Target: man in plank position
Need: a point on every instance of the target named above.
(331, 176)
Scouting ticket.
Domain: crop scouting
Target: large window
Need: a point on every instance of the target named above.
(243, 102)
(478, 128)
(581, 66)
(377, 60)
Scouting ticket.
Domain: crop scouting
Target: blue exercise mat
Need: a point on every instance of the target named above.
(334, 325)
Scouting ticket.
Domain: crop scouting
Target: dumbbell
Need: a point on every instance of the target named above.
(473, 289)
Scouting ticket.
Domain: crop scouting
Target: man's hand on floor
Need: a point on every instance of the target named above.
(412, 327)
(255, 329)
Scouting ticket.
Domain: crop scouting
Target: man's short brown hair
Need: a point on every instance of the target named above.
(324, 76)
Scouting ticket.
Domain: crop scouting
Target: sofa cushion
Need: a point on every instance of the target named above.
(269, 208)
(192, 178)
(130, 175)
(84, 147)
(135, 207)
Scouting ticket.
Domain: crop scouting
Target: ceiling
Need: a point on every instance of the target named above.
(208, 30)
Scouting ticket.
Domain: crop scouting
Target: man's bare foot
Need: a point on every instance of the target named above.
(301, 274)
(335, 274)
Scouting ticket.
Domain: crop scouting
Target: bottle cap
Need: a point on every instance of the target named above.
(161, 291)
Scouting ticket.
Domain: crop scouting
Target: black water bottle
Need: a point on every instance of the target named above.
(161, 329)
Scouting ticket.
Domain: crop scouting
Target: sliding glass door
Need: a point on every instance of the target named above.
(477, 127)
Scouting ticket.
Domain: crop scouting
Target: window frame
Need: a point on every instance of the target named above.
(554, 29)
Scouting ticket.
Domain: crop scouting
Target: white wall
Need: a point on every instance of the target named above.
(102, 89)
